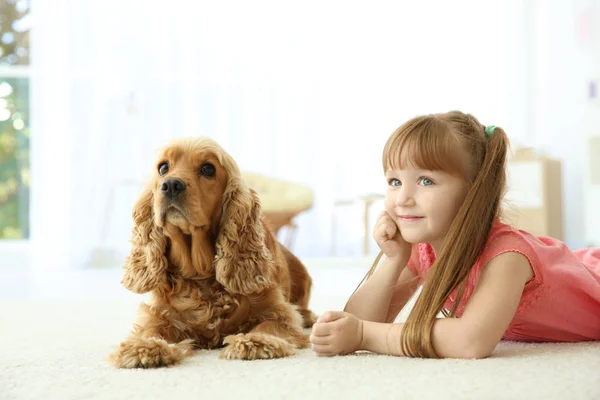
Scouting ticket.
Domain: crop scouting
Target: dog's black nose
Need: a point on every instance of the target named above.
(172, 187)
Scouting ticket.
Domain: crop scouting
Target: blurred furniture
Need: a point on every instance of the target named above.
(592, 193)
(281, 201)
(366, 201)
(533, 201)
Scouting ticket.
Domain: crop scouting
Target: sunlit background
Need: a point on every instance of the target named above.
(305, 92)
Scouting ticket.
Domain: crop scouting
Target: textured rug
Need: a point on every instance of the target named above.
(56, 349)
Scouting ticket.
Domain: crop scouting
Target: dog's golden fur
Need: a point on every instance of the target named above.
(216, 274)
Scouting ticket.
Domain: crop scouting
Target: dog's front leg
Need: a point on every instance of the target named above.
(273, 338)
(154, 342)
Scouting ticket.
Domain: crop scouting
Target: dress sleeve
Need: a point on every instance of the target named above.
(500, 242)
(506, 242)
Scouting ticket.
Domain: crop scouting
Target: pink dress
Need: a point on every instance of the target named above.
(561, 303)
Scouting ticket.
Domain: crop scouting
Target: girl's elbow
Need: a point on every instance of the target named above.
(474, 345)
(476, 352)
(477, 349)
(464, 343)
(469, 350)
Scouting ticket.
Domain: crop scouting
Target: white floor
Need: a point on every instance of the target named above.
(56, 330)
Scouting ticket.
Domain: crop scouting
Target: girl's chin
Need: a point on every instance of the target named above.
(414, 237)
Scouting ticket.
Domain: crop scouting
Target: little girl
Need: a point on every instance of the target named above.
(446, 177)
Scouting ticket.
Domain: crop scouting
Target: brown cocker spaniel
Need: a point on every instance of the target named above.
(216, 274)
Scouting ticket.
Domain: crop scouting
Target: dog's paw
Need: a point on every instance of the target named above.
(149, 353)
(255, 346)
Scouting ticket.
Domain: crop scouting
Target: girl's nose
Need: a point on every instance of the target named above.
(405, 197)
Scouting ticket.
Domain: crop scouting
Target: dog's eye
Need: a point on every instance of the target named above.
(163, 168)
(207, 170)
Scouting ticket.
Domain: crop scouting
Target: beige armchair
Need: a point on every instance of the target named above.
(281, 202)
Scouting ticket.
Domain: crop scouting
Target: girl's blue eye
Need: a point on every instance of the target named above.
(394, 182)
(426, 181)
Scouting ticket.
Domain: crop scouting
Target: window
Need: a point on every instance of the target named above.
(14, 119)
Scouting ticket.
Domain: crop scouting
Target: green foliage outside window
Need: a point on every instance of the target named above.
(14, 158)
(14, 120)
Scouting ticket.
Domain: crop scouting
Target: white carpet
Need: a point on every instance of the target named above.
(56, 349)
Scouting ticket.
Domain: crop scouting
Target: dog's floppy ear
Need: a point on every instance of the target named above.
(243, 262)
(146, 266)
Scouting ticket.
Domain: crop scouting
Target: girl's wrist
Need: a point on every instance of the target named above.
(370, 331)
(363, 335)
(381, 338)
(398, 261)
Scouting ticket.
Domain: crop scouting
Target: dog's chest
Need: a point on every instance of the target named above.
(210, 310)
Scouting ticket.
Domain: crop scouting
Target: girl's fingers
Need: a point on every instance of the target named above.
(378, 225)
(390, 230)
(321, 329)
(385, 232)
(380, 232)
(323, 350)
(330, 316)
(320, 340)
(383, 217)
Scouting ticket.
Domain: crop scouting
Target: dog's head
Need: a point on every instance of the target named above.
(190, 179)
(197, 189)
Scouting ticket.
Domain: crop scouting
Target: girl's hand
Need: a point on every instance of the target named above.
(388, 237)
(336, 332)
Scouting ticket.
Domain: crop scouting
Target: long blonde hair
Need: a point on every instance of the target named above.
(431, 142)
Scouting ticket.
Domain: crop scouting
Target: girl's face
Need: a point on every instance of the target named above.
(423, 203)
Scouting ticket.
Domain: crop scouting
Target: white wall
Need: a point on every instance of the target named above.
(565, 58)
(302, 91)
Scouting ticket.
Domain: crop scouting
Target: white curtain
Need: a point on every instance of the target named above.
(306, 92)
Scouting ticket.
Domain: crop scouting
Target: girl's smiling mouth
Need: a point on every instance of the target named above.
(410, 218)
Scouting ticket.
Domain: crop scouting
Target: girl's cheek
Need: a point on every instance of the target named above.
(389, 206)
(389, 200)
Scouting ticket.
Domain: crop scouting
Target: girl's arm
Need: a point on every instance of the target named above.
(384, 293)
(475, 335)
(483, 323)
(407, 285)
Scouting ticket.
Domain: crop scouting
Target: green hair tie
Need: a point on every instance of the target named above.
(489, 130)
